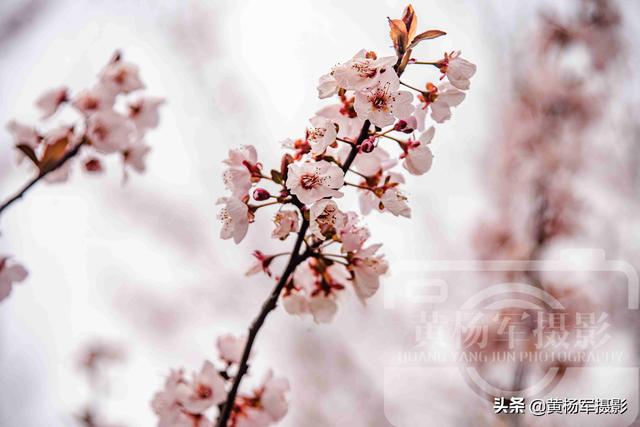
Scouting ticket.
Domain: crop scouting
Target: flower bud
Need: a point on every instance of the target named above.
(260, 194)
(400, 124)
(367, 146)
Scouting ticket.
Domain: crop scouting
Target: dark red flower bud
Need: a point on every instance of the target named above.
(367, 146)
(400, 124)
(260, 194)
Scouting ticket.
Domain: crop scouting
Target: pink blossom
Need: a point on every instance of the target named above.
(205, 390)
(351, 234)
(252, 417)
(295, 303)
(418, 157)
(286, 222)
(145, 113)
(274, 396)
(312, 181)
(458, 70)
(109, 131)
(349, 127)
(444, 97)
(323, 307)
(327, 86)
(324, 216)
(381, 105)
(49, 101)
(231, 347)
(261, 264)
(370, 200)
(164, 402)
(95, 99)
(234, 217)
(374, 162)
(121, 77)
(170, 411)
(10, 273)
(367, 269)
(242, 162)
(316, 293)
(321, 135)
(395, 202)
(363, 71)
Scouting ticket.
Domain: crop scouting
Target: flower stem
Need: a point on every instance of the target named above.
(68, 155)
(358, 186)
(424, 63)
(411, 87)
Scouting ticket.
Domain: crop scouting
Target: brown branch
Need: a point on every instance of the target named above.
(270, 304)
(68, 155)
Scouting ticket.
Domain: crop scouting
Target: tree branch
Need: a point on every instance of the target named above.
(270, 304)
(68, 155)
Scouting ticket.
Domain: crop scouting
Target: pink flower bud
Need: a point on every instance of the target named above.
(261, 194)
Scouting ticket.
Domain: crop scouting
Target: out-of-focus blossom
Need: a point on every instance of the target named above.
(121, 76)
(135, 156)
(230, 347)
(109, 131)
(23, 134)
(145, 113)
(49, 101)
(95, 99)
(10, 273)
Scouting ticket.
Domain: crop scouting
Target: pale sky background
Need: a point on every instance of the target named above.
(141, 264)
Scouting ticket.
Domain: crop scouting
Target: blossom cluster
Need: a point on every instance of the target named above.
(110, 117)
(372, 114)
(541, 161)
(185, 402)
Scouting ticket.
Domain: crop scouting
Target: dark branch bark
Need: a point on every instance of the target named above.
(68, 155)
(270, 304)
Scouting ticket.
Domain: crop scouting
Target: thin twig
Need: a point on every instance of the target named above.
(411, 87)
(68, 155)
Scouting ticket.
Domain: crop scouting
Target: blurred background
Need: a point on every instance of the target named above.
(139, 268)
